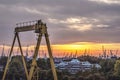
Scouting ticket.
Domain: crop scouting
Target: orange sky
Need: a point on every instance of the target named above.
(66, 49)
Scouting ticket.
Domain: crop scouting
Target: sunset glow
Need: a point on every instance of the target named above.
(78, 48)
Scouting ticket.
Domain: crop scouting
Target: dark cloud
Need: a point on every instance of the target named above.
(105, 29)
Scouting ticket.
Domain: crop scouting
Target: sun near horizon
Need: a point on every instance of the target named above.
(76, 48)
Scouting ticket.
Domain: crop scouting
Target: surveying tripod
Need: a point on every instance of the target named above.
(41, 29)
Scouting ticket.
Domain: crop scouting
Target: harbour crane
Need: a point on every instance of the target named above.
(41, 29)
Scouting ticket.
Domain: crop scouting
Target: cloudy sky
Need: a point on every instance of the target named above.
(68, 21)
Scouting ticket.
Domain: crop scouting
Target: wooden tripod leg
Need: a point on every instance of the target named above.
(8, 60)
(34, 63)
(51, 57)
(23, 59)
